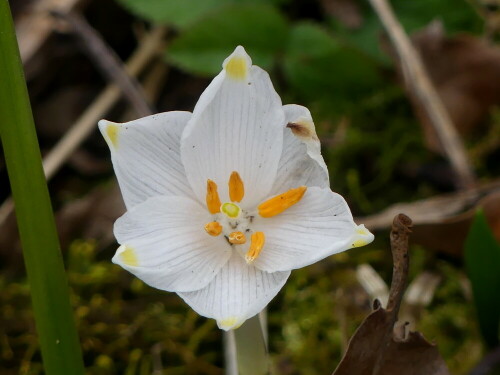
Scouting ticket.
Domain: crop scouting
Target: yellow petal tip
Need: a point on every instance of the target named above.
(361, 230)
(359, 243)
(229, 323)
(237, 65)
(128, 256)
(362, 236)
(111, 130)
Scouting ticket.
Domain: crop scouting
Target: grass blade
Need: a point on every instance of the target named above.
(482, 261)
(58, 338)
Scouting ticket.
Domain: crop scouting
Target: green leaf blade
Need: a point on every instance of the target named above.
(482, 261)
(260, 28)
(178, 13)
(58, 338)
(316, 63)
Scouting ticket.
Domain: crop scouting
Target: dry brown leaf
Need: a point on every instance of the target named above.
(448, 236)
(441, 223)
(412, 355)
(382, 347)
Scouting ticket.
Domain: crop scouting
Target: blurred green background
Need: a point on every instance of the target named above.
(329, 55)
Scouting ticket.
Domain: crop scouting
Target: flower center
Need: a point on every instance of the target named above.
(234, 223)
(231, 210)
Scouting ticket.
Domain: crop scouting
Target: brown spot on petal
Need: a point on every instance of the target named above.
(303, 129)
(299, 129)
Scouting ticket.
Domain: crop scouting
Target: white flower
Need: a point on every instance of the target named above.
(223, 203)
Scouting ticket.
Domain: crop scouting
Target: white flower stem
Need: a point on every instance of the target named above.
(251, 348)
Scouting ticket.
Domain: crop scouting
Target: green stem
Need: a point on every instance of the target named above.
(58, 338)
(251, 349)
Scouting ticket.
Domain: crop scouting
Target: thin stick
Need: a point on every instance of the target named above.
(431, 210)
(401, 265)
(106, 60)
(419, 83)
(87, 121)
(399, 245)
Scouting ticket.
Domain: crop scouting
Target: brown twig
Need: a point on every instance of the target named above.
(399, 247)
(107, 61)
(419, 83)
(401, 263)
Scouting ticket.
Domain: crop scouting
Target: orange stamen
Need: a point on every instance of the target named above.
(213, 228)
(280, 203)
(236, 187)
(213, 200)
(237, 238)
(256, 244)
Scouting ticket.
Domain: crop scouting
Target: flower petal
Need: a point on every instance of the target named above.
(146, 156)
(164, 243)
(237, 293)
(236, 126)
(319, 225)
(301, 162)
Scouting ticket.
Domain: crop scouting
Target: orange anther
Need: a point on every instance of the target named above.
(213, 200)
(280, 203)
(256, 244)
(237, 238)
(236, 187)
(213, 228)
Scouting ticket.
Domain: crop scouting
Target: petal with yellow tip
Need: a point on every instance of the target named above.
(276, 205)
(128, 256)
(238, 292)
(164, 244)
(362, 236)
(146, 156)
(232, 322)
(112, 133)
(321, 225)
(238, 64)
(237, 125)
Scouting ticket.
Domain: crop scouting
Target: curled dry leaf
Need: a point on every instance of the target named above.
(441, 223)
(448, 236)
(379, 346)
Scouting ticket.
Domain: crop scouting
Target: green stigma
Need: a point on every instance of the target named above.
(231, 210)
